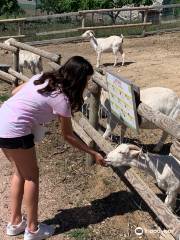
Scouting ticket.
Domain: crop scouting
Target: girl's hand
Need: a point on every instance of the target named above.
(99, 159)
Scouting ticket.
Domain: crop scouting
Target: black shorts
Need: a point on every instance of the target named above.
(23, 142)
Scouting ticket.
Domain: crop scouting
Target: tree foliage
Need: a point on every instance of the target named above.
(9, 7)
(60, 6)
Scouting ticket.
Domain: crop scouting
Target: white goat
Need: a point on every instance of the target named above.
(158, 98)
(28, 60)
(112, 43)
(165, 169)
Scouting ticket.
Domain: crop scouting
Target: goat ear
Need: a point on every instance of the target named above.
(92, 33)
(135, 153)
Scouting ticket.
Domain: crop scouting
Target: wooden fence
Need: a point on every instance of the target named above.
(170, 221)
(87, 131)
(83, 15)
(13, 74)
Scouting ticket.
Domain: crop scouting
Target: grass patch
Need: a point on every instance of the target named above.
(79, 234)
(4, 97)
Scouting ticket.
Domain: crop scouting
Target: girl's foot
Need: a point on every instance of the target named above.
(13, 230)
(44, 231)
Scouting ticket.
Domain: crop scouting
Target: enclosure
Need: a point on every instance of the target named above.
(92, 203)
(129, 20)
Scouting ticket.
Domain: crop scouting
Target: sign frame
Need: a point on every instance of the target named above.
(117, 82)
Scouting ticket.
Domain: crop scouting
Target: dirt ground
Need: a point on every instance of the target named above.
(93, 203)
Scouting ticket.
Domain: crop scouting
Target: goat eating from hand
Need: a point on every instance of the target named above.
(165, 169)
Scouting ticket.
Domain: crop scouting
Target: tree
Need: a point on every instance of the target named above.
(60, 6)
(10, 7)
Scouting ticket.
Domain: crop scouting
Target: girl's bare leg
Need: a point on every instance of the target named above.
(17, 191)
(26, 166)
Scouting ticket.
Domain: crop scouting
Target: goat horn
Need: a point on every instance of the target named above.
(133, 147)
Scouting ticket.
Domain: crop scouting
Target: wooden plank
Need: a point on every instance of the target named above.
(130, 9)
(45, 17)
(100, 80)
(81, 133)
(18, 75)
(10, 20)
(93, 115)
(56, 41)
(115, 26)
(16, 64)
(57, 32)
(113, 10)
(170, 221)
(54, 65)
(165, 235)
(7, 77)
(163, 31)
(145, 21)
(162, 121)
(14, 36)
(52, 56)
(7, 47)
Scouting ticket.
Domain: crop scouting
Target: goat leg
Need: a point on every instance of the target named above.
(98, 59)
(122, 55)
(159, 145)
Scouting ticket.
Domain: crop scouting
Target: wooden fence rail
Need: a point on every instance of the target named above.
(129, 9)
(8, 78)
(116, 26)
(18, 75)
(37, 18)
(8, 48)
(51, 56)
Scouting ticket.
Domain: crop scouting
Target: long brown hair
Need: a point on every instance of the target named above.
(70, 79)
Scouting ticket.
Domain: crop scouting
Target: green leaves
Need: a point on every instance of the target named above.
(9, 7)
(60, 6)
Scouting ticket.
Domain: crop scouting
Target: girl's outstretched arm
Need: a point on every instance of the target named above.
(69, 136)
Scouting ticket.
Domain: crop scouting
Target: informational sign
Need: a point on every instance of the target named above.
(122, 99)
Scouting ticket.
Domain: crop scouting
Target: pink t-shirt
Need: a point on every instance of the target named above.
(28, 108)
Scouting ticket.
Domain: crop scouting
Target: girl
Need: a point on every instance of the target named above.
(41, 99)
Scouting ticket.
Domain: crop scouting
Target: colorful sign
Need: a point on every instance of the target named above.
(122, 100)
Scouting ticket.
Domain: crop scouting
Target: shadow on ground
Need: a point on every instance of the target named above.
(119, 64)
(118, 203)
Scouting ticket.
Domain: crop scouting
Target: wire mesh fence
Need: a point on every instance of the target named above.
(72, 24)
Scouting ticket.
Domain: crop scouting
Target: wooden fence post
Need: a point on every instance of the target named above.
(145, 21)
(83, 20)
(93, 19)
(16, 65)
(19, 28)
(93, 116)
